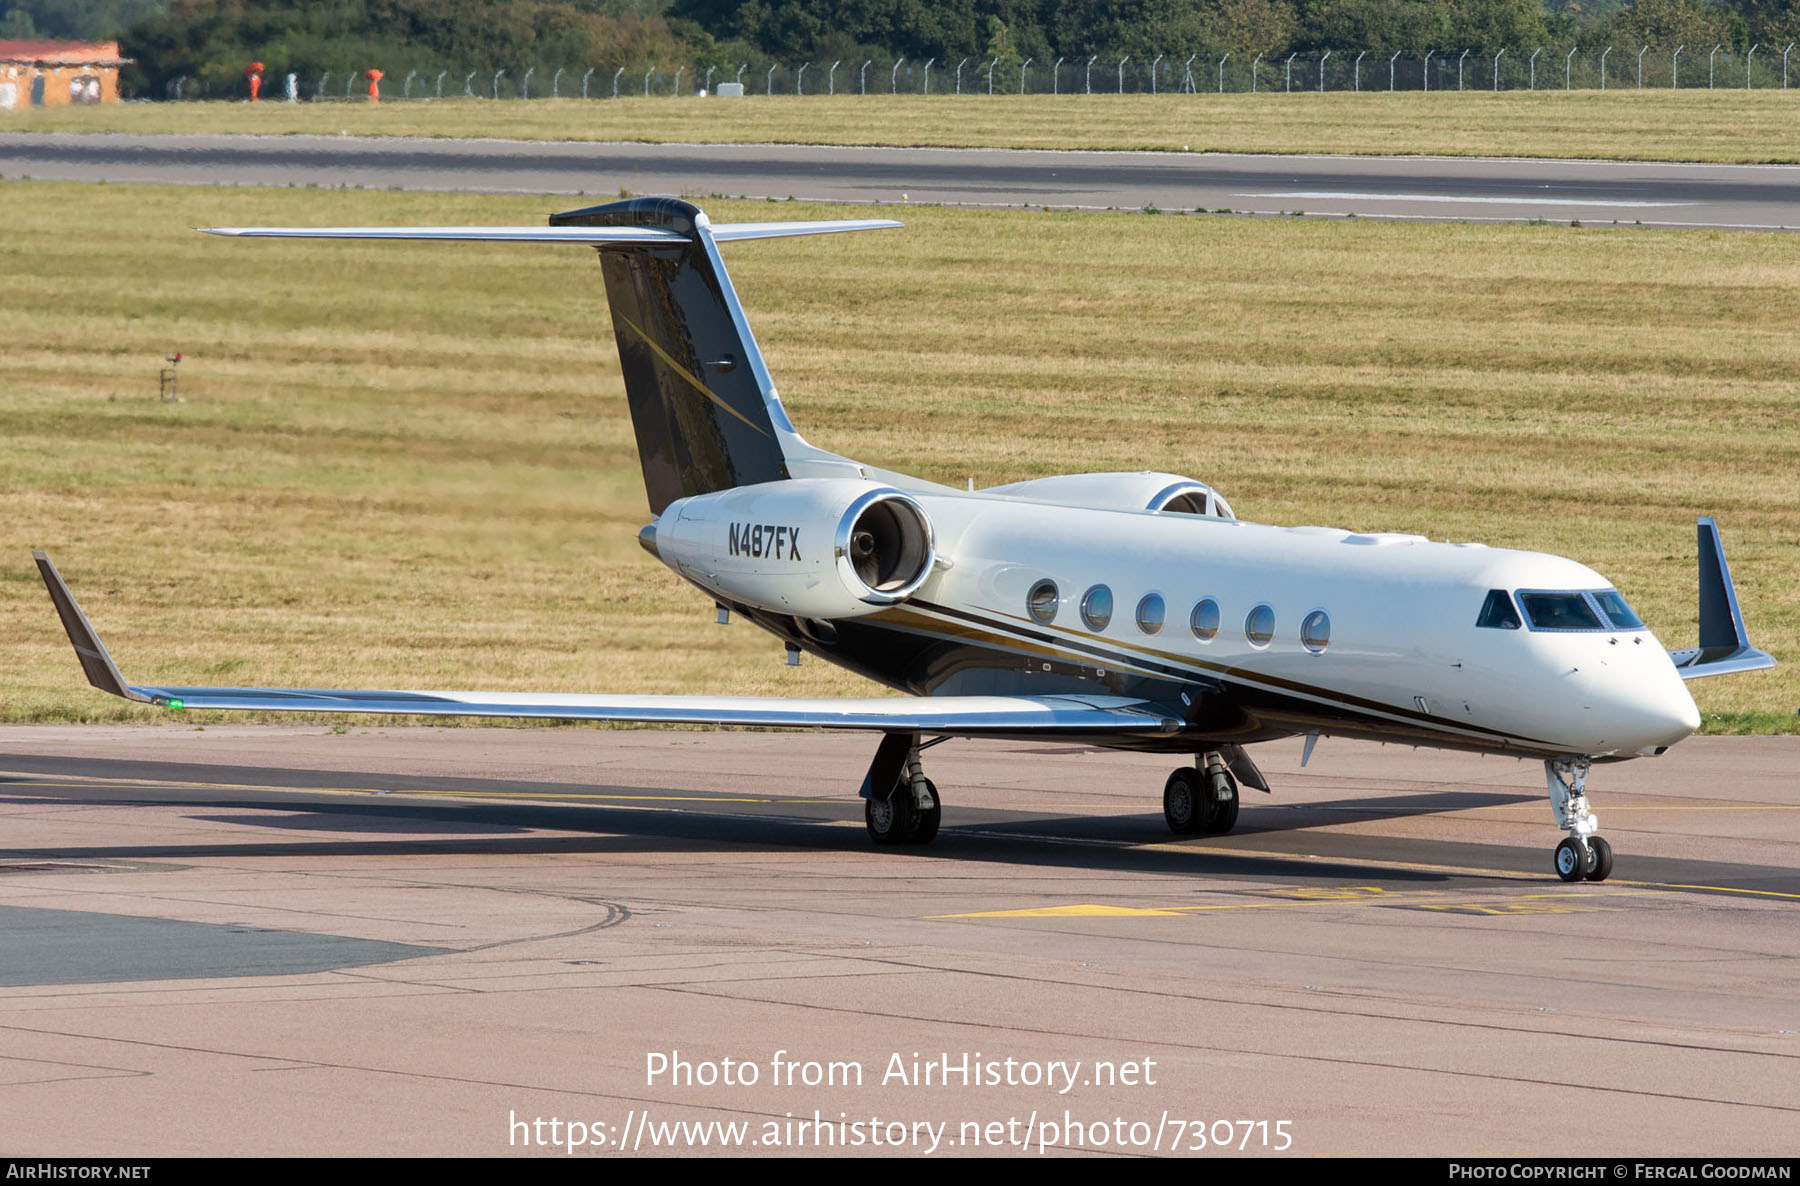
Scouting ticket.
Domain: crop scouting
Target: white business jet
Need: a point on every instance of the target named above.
(1127, 610)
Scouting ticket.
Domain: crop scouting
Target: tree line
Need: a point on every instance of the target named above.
(211, 41)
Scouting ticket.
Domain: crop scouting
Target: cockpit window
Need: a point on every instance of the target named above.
(1559, 611)
(1616, 611)
(1497, 612)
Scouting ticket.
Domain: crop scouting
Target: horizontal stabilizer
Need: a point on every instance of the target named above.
(1724, 643)
(998, 716)
(596, 236)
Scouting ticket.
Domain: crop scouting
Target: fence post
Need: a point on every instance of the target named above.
(679, 70)
(1356, 72)
(739, 79)
(617, 74)
(1608, 50)
(1459, 69)
(647, 75)
(497, 75)
(468, 85)
(894, 78)
(1710, 58)
(1391, 71)
(1122, 62)
(959, 68)
(1784, 54)
(1534, 54)
(1056, 77)
(1254, 62)
(348, 83)
(1153, 65)
(1187, 78)
(1425, 71)
(407, 93)
(440, 83)
(928, 62)
(990, 74)
(707, 85)
(1497, 68)
(1641, 54)
(769, 81)
(1569, 69)
(1322, 59)
(1675, 68)
(525, 85)
(1026, 66)
(1088, 85)
(1747, 58)
(800, 78)
(1222, 62)
(1289, 71)
(864, 75)
(831, 77)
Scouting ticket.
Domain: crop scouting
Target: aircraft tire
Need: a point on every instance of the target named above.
(1600, 859)
(1183, 802)
(1223, 816)
(1571, 859)
(925, 823)
(892, 820)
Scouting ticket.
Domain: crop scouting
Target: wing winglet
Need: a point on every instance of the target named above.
(101, 671)
(1724, 643)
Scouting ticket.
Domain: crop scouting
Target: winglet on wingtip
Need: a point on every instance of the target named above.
(1724, 642)
(101, 671)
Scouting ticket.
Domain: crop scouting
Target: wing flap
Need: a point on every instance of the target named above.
(949, 715)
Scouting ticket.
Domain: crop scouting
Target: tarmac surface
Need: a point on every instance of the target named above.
(1744, 197)
(248, 939)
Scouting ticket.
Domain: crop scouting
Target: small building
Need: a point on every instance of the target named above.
(58, 73)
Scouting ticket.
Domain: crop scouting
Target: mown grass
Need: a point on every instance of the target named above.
(1659, 125)
(410, 465)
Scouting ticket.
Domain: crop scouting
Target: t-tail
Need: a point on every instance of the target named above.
(705, 412)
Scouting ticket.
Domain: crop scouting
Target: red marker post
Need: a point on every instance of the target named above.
(374, 77)
(254, 72)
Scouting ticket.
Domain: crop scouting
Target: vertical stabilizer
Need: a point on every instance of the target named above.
(702, 405)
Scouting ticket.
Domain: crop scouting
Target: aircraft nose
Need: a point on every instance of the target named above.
(1658, 712)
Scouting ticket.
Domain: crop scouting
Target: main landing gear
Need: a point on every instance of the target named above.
(909, 810)
(1584, 855)
(1201, 799)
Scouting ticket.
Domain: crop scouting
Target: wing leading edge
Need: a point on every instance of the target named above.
(948, 715)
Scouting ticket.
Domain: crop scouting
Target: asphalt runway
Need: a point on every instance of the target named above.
(1744, 197)
(246, 939)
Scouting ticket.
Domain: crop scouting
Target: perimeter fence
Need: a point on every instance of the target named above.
(1540, 68)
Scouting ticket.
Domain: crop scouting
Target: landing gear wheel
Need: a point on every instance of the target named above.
(925, 823)
(1183, 802)
(1600, 859)
(892, 820)
(1221, 815)
(1573, 858)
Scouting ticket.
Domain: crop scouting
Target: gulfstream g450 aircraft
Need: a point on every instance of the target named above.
(1128, 610)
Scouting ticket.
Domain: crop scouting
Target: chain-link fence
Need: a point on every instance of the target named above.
(1540, 68)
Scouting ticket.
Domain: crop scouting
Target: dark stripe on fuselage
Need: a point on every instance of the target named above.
(1221, 669)
(1216, 673)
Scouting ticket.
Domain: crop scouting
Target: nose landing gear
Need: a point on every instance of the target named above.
(1583, 855)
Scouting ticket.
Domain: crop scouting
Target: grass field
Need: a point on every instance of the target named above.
(1689, 125)
(410, 465)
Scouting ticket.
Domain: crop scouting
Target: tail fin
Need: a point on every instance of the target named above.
(703, 407)
(702, 404)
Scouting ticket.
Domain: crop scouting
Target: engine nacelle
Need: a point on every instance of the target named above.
(812, 547)
(1170, 493)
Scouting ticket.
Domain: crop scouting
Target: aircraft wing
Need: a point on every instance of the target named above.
(1724, 643)
(965, 716)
